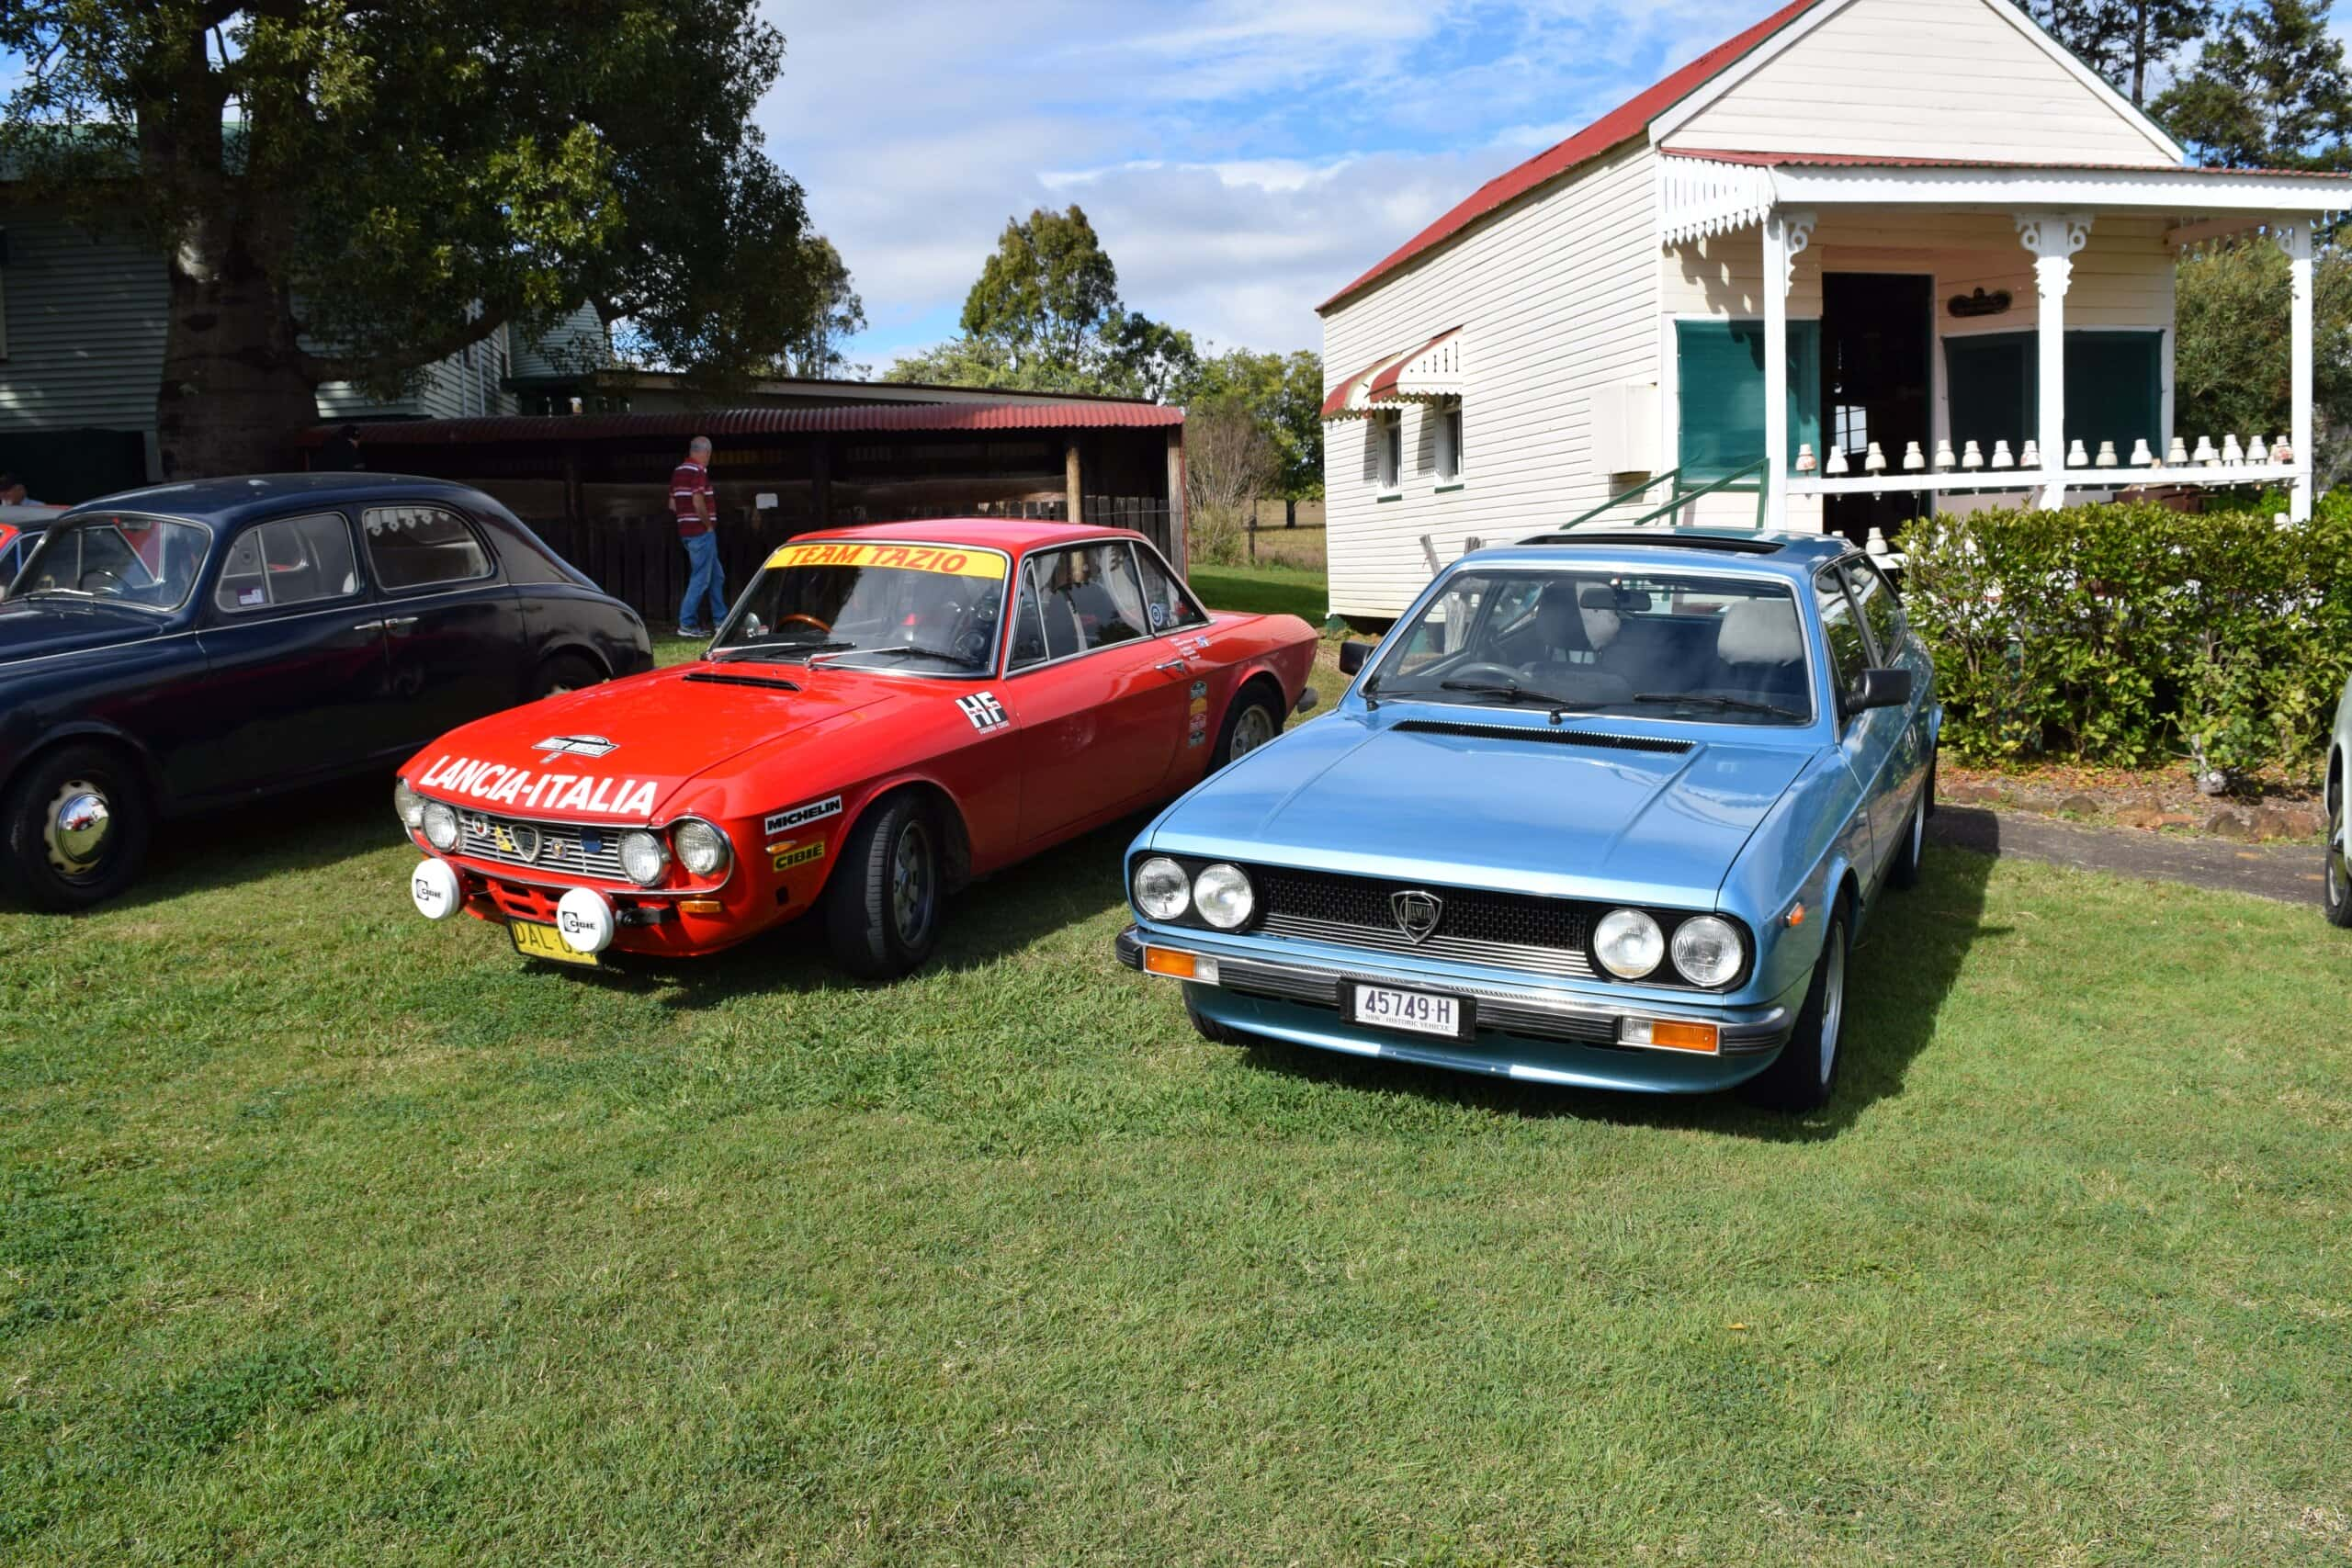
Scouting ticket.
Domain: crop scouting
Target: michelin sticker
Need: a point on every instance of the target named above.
(801, 815)
(501, 785)
(984, 712)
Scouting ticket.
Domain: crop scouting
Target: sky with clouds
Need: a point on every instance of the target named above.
(1241, 159)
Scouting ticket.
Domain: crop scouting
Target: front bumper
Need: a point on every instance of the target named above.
(1531, 1031)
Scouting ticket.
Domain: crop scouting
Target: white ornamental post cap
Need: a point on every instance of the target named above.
(1804, 457)
(1874, 462)
(2178, 456)
(1944, 458)
(1876, 544)
(1914, 460)
(2260, 451)
(2001, 459)
(2142, 457)
(2232, 453)
(2032, 457)
(1971, 455)
(2076, 455)
(2205, 454)
(1836, 459)
(2106, 458)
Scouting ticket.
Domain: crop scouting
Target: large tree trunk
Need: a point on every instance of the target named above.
(236, 388)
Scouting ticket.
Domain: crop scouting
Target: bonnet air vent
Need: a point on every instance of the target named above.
(1547, 736)
(766, 683)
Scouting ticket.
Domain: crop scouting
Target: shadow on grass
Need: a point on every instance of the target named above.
(1902, 970)
(307, 830)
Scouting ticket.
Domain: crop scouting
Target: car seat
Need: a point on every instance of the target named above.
(1761, 650)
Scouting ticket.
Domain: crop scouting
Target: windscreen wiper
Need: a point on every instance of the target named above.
(1709, 700)
(915, 650)
(751, 650)
(1519, 694)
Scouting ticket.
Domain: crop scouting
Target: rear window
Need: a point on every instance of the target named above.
(422, 547)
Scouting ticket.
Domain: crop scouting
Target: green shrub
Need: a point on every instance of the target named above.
(2116, 633)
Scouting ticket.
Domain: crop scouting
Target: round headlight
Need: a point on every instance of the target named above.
(408, 806)
(1628, 943)
(1223, 895)
(643, 858)
(440, 826)
(1707, 950)
(1162, 890)
(702, 848)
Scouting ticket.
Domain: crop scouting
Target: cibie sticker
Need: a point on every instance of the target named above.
(801, 815)
(787, 856)
(946, 560)
(984, 712)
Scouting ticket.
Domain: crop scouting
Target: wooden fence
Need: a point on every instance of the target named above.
(639, 560)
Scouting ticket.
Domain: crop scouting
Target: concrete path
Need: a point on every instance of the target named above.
(2287, 872)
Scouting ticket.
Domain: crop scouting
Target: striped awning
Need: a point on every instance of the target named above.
(1429, 374)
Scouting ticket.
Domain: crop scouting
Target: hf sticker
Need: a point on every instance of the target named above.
(786, 856)
(801, 815)
(984, 712)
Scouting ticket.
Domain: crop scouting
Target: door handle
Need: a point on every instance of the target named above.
(369, 627)
(1172, 666)
(397, 624)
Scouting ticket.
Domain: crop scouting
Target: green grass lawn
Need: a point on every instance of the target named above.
(326, 1233)
(1278, 589)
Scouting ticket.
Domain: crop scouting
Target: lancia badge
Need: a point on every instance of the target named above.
(1417, 912)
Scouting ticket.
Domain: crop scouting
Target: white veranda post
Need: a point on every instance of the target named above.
(2295, 237)
(2054, 238)
(1786, 234)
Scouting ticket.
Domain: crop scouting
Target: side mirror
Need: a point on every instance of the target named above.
(1352, 654)
(1879, 689)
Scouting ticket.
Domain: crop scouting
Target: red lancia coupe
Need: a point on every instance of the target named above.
(889, 712)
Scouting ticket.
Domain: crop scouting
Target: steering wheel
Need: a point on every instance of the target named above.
(824, 627)
(1495, 672)
(99, 580)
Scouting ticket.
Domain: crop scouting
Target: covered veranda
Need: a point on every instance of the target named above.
(2023, 278)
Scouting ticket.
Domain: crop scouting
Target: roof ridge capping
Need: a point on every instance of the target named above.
(1627, 121)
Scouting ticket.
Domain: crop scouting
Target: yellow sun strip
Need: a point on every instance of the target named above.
(948, 561)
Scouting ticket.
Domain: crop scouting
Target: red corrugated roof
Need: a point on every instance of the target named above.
(1880, 161)
(860, 419)
(1621, 124)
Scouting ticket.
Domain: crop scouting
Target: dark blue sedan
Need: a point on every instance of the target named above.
(192, 646)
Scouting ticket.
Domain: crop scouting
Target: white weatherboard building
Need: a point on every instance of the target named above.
(1858, 222)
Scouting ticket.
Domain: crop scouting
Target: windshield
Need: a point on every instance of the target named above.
(932, 608)
(117, 560)
(1718, 649)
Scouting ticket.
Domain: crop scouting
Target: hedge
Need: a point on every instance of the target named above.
(2121, 634)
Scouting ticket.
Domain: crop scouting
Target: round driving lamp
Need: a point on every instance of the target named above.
(1223, 896)
(644, 859)
(440, 825)
(408, 806)
(1707, 951)
(1628, 943)
(702, 848)
(1162, 890)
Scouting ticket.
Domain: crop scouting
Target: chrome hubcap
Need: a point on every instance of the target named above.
(78, 825)
(1833, 1003)
(1252, 730)
(910, 883)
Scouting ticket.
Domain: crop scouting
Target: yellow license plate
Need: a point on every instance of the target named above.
(533, 940)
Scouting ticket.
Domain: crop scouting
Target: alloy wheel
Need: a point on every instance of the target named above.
(1251, 730)
(1833, 1003)
(913, 883)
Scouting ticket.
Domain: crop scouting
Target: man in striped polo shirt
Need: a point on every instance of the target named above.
(695, 505)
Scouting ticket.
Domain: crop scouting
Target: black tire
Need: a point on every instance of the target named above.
(1804, 1075)
(1255, 719)
(2335, 885)
(566, 673)
(1907, 859)
(42, 863)
(1210, 1029)
(879, 926)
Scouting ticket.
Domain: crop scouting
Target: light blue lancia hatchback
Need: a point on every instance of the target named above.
(1603, 809)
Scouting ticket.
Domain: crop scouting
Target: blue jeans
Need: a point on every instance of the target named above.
(704, 581)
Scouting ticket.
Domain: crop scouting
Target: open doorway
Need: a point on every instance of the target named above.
(1877, 370)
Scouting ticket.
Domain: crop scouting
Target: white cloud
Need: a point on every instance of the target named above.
(1243, 159)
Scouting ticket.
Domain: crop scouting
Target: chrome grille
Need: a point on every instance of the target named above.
(565, 848)
(1507, 931)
